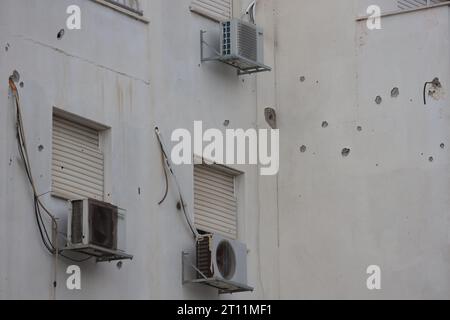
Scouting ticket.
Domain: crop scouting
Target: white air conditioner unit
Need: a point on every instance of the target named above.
(97, 229)
(241, 46)
(222, 263)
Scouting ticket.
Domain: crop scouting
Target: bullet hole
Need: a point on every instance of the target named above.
(325, 124)
(21, 84)
(119, 265)
(271, 117)
(62, 168)
(317, 82)
(377, 165)
(359, 128)
(378, 100)
(41, 148)
(346, 152)
(302, 79)
(179, 207)
(15, 76)
(139, 191)
(10, 161)
(60, 34)
(243, 80)
(303, 149)
(7, 47)
(226, 123)
(431, 159)
(442, 146)
(395, 93)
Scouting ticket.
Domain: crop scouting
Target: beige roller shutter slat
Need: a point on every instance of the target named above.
(219, 10)
(215, 203)
(78, 163)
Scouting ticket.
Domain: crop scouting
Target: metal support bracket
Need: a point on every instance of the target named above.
(100, 254)
(224, 286)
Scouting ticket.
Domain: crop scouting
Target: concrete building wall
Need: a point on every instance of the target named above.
(312, 230)
(384, 204)
(131, 77)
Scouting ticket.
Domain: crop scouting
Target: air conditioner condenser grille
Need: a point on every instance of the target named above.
(247, 42)
(103, 225)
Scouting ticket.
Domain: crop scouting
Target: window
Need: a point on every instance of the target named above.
(413, 4)
(218, 10)
(215, 201)
(132, 5)
(132, 8)
(77, 160)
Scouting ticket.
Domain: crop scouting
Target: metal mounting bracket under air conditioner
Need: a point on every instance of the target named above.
(101, 254)
(244, 66)
(224, 286)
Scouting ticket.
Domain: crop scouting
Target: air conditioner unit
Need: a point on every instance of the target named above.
(242, 45)
(98, 229)
(222, 263)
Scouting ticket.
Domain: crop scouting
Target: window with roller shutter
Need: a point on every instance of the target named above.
(77, 161)
(215, 201)
(218, 10)
(413, 4)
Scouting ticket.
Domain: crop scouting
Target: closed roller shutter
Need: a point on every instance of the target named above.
(215, 203)
(219, 10)
(413, 4)
(77, 162)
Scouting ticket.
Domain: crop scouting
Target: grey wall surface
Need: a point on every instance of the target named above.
(312, 230)
(385, 204)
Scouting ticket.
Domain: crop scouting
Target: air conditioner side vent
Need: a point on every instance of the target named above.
(204, 258)
(77, 222)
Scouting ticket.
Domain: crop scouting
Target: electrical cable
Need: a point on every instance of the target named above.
(166, 192)
(170, 169)
(38, 205)
(251, 11)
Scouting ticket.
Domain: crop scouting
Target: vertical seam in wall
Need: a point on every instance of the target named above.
(278, 108)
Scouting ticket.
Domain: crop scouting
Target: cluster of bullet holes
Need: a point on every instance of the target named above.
(395, 92)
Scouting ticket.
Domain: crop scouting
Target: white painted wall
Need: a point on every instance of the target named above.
(385, 204)
(313, 230)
